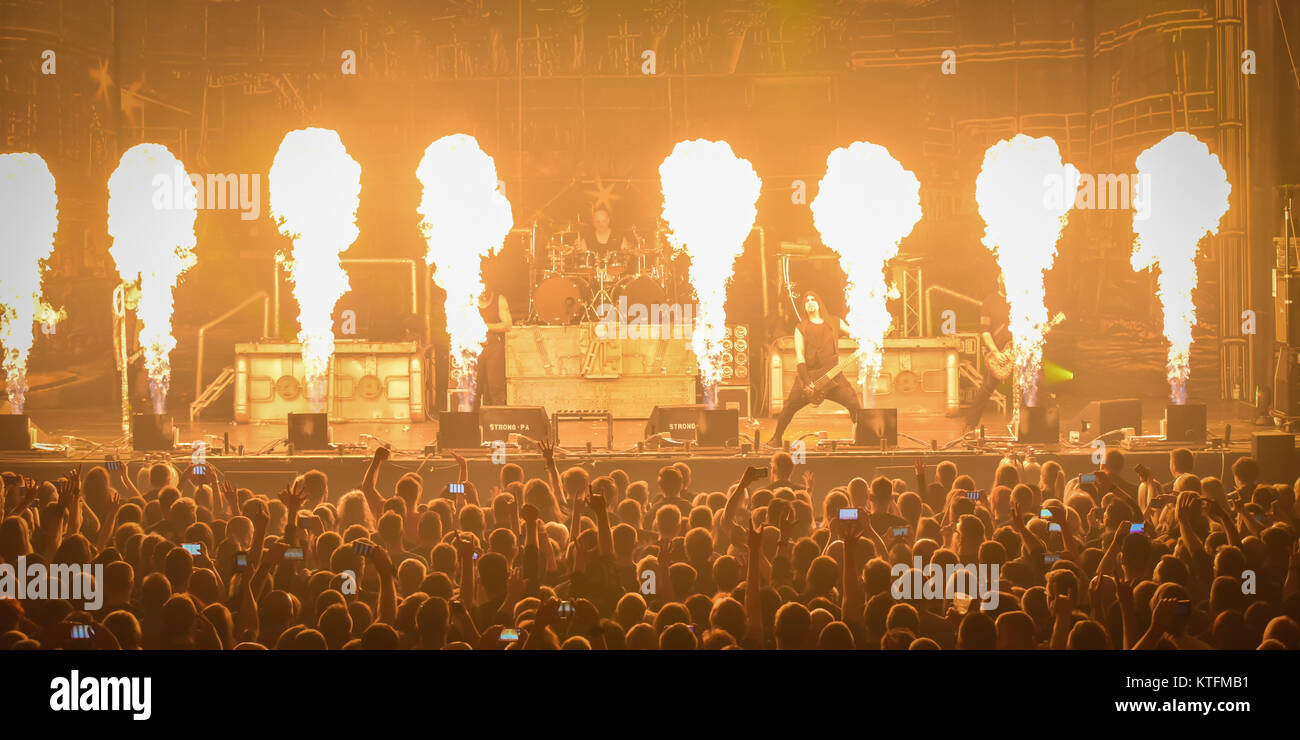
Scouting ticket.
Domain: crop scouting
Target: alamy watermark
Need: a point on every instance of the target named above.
(1100, 192)
(211, 192)
(953, 582)
(624, 320)
(69, 581)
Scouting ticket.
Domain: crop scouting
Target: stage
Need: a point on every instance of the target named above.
(89, 437)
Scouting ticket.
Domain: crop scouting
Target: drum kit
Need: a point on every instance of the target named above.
(571, 282)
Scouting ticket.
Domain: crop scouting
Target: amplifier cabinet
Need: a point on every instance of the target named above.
(366, 381)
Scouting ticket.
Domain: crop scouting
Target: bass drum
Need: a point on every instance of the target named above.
(560, 299)
(639, 289)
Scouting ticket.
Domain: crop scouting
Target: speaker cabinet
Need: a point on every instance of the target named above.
(875, 425)
(1277, 457)
(717, 428)
(459, 430)
(679, 421)
(309, 431)
(1039, 425)
(1185, 423)
(1106, 416)
(152, 433)
(497, 423)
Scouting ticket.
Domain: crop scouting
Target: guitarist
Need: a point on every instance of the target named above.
(816, 350)
(995, 325)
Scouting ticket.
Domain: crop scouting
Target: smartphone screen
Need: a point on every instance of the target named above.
(293, 553)
(1045, 513)
(113, 465)
(241, 561)
(1088, 478)
(848, 515)
(764, 472)
(900, 531)
(200, 469)
(974, 495)
(1054, 527)
(362, 548)
(456, 488)
(1139, 528)
(1050, 558)
(82, 631)
(193, 548)
(509, 635)
(1183, 608)
(566, 609)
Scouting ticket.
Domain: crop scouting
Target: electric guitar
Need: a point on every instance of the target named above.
(1002, 364)
(818, 389)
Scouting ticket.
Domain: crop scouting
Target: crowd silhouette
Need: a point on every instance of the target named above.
(779, 560)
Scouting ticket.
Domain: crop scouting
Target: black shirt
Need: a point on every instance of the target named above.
(820, 346)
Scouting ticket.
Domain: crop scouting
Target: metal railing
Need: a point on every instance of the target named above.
(203, 332)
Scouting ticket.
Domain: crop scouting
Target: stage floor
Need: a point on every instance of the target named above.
(89, 437)
(102, 426)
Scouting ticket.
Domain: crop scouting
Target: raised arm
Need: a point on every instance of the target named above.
(740, 493)
(368, 483)
(552, 472)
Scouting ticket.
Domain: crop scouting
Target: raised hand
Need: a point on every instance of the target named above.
(754, 539)
(383, 454)
(918, 467)
(292, 499)
(809, 480)
(70, 490)
(787, 524)
(529, 513)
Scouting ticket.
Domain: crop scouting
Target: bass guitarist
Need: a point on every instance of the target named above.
(816, 350)
(995, 333)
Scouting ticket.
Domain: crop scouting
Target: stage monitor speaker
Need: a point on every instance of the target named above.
(735, 397)
(152, 433)
(717, 428)
(875, 425)
(1279, 462)
(459, 430)
(1106, 416)
(1286, 380)
(1039, 425)
(1185, 423)
(16, 433)
(677, 421)
(309, 431)
(499, 422)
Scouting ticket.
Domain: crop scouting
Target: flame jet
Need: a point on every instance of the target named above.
(315, 189)
(152, 207)
(1188, 196)
(1021, 227)
(866, 204)
(29, 208)
(710, 203)
(465, 218)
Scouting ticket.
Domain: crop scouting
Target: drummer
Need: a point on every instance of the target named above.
(601, 239)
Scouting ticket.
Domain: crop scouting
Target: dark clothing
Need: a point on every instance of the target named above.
(840, 392)
(490, 380)
(613, 242)
(820, 352)
(820, 346)
(995, 318)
